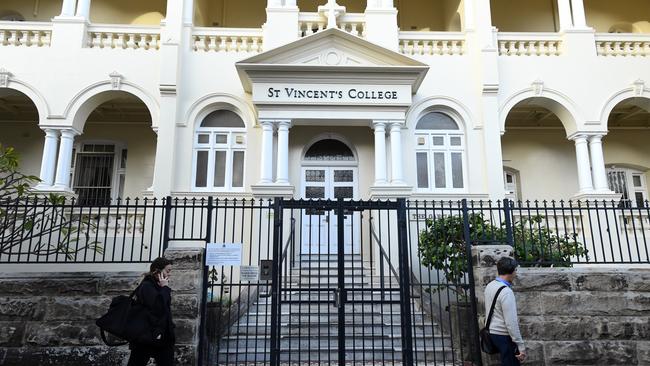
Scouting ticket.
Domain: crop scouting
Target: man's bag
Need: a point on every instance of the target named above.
(127, 320)
(484, 334)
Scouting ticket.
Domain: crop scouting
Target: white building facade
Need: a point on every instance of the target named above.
(357, 99)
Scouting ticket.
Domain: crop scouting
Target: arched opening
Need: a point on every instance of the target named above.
(626, 150)
(32, 11)
(114, 157)
(19, 129)
(219, 152)
(329, 171)
(429, 16)
(534, 136)
(625, 16)
(141, 12)
(440, 156)
(329, 150)
(535, 16)
(230, 13)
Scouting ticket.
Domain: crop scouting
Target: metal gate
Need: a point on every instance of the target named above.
(355, 295)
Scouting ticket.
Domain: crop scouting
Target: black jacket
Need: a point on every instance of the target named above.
(157, 300)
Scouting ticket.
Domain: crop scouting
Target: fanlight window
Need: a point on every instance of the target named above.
(219, 152)
(329, 150)
(440, 153)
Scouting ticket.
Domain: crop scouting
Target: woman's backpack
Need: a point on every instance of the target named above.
(128, 320)
(484, 334)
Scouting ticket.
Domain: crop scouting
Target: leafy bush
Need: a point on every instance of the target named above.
(41, 220)
(442, 245)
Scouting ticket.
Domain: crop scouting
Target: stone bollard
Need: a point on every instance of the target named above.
(186, 283)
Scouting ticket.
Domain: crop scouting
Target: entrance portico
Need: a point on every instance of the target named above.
(335, 81)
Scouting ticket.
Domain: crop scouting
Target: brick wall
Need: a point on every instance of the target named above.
(576, 316)
(49, 318)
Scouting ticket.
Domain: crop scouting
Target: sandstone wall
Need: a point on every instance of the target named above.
(576, 316)
(49, 318)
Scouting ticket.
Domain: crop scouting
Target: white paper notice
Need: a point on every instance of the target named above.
(249, 273)
(223, 254)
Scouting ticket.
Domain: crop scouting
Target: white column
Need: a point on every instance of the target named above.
(380, 152)
(564, 12)
(48, 162)
(397, 175)
(584, 168)
(468, 15)
(266, 161)
(188, 12)
(62, 181)
(83, 9)
(67, 9)
(598, 163)
(579, 18)
(283, 152)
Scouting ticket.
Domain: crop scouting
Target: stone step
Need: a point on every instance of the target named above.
(360, 318)
(328, 342)
(362, 354)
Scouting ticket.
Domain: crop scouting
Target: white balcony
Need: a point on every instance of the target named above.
(118, 36)
(25, 34)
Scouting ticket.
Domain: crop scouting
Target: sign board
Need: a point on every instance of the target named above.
(278, 93)
(223, 254)
(249, 273)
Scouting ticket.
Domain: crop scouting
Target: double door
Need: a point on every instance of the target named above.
(320, 227)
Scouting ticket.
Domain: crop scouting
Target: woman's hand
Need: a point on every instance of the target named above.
(162, 280)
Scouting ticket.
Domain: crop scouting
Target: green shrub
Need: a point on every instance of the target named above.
(442, 245)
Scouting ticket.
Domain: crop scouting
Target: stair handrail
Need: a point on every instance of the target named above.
(382, 252)
(290, 239)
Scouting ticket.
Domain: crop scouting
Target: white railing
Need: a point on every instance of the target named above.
(310, 23)
(431, 43)
(529, 44)
(228, 39)
(25, 34)
(623, 44)
(123, 37)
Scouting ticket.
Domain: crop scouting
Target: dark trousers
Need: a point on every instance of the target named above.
(507, 349)
(140, 355)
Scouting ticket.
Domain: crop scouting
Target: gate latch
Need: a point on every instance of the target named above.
(338, 298)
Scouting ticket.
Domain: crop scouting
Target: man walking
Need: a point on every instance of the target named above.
(504, 327)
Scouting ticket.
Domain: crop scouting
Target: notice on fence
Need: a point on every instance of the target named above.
(223, 254)
(249, 273)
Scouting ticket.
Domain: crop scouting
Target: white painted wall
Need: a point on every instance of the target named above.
(584, 83)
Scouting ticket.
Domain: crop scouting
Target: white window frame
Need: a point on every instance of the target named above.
(632, 190)
(447, 149)
(117, 171)
(230, 147)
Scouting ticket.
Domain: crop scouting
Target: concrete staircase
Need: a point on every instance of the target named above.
(309, 320)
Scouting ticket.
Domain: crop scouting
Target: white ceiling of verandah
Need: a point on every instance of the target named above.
(528, 115)
(16, 107)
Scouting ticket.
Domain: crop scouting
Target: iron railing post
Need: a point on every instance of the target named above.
(166, 223)
(341, 294)
(507, 212)
(275, 283)
(476, 351)
(405, 284)
(202, 336)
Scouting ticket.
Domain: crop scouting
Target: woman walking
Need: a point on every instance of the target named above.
(154, 294)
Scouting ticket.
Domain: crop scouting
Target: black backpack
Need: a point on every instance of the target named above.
(484, 335)
(128, 320)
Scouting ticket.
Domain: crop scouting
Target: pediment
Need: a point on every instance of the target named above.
(331, 55)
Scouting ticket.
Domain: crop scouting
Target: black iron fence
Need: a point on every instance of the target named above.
(543, 233)
(43, 230)
(335, 281)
